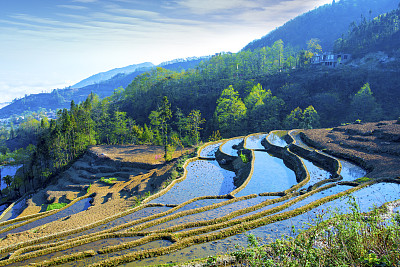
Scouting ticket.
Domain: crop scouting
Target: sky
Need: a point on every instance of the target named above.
(48, 44)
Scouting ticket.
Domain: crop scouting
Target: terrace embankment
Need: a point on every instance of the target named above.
(374, 146)
(137, 169)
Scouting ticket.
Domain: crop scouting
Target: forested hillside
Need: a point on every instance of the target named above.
(380, 34)
(326, 23)
(104, 76)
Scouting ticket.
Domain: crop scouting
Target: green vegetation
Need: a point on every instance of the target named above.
(327, 23)
(342, 240)
(370, 35)
(109, 181)
(243, 157)
(363, 180)
(55, 206)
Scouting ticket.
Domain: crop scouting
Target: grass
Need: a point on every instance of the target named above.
(353, 239)
(56, 206)
(363, 180)
(108, 180)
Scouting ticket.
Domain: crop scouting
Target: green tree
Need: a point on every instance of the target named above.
(8, 179)
(194, 120)
(310, 118)
(230, 110)
(313, 46)
(262, 109)
(364, 106)
(160, 118)
(306, 119)
(294, 119)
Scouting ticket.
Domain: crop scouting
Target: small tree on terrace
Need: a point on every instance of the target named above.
(194, 121)
(160, 118)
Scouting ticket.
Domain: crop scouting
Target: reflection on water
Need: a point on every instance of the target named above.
(254, 141)
(270, 175)
(317, 174)
(7, 170)
(276, 140)
(209, 151)
(350, 172)
(204, 178)
(15, 211)
(228, 149)
(76, 208)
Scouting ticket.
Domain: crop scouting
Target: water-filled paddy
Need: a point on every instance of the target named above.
(75, 208)
(270, 175)
(15, 211)
(317, 174)
(276, 139)
(7, 170)
(228, 149)
(254, 141)
(204, 178)
(143, 213)
(209, 151)
(349, 171)
(211, 214)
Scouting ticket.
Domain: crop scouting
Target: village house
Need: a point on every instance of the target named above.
(330, 59)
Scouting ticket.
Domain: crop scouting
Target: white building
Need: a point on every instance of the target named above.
(330, 59)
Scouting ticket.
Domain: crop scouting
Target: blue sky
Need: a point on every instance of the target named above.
(47, 44)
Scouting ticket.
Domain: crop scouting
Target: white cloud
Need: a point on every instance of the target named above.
(213, 6)
(73, 7)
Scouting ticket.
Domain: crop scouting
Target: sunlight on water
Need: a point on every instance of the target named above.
(270, 175)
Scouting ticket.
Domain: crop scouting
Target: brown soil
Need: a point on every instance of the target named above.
(376, 146)
(138, 169)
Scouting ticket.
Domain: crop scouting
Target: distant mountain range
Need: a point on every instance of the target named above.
(327, 23)
(103, 84)
(103, 76)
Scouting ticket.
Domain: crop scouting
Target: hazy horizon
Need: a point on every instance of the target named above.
(47, 44)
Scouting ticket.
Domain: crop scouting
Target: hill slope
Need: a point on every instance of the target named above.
(121, 77)
(326, 23)
(103, 76)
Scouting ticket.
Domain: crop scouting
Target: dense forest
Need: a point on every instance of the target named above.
(228, 95)
(326, 23)
(379, 34)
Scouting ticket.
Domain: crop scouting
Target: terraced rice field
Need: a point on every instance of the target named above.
(203, 213)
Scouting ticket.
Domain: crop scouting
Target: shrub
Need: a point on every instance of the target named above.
(243, 157)
(108, 181)
(55, 206)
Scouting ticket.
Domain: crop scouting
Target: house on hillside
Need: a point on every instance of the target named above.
(330, 59)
